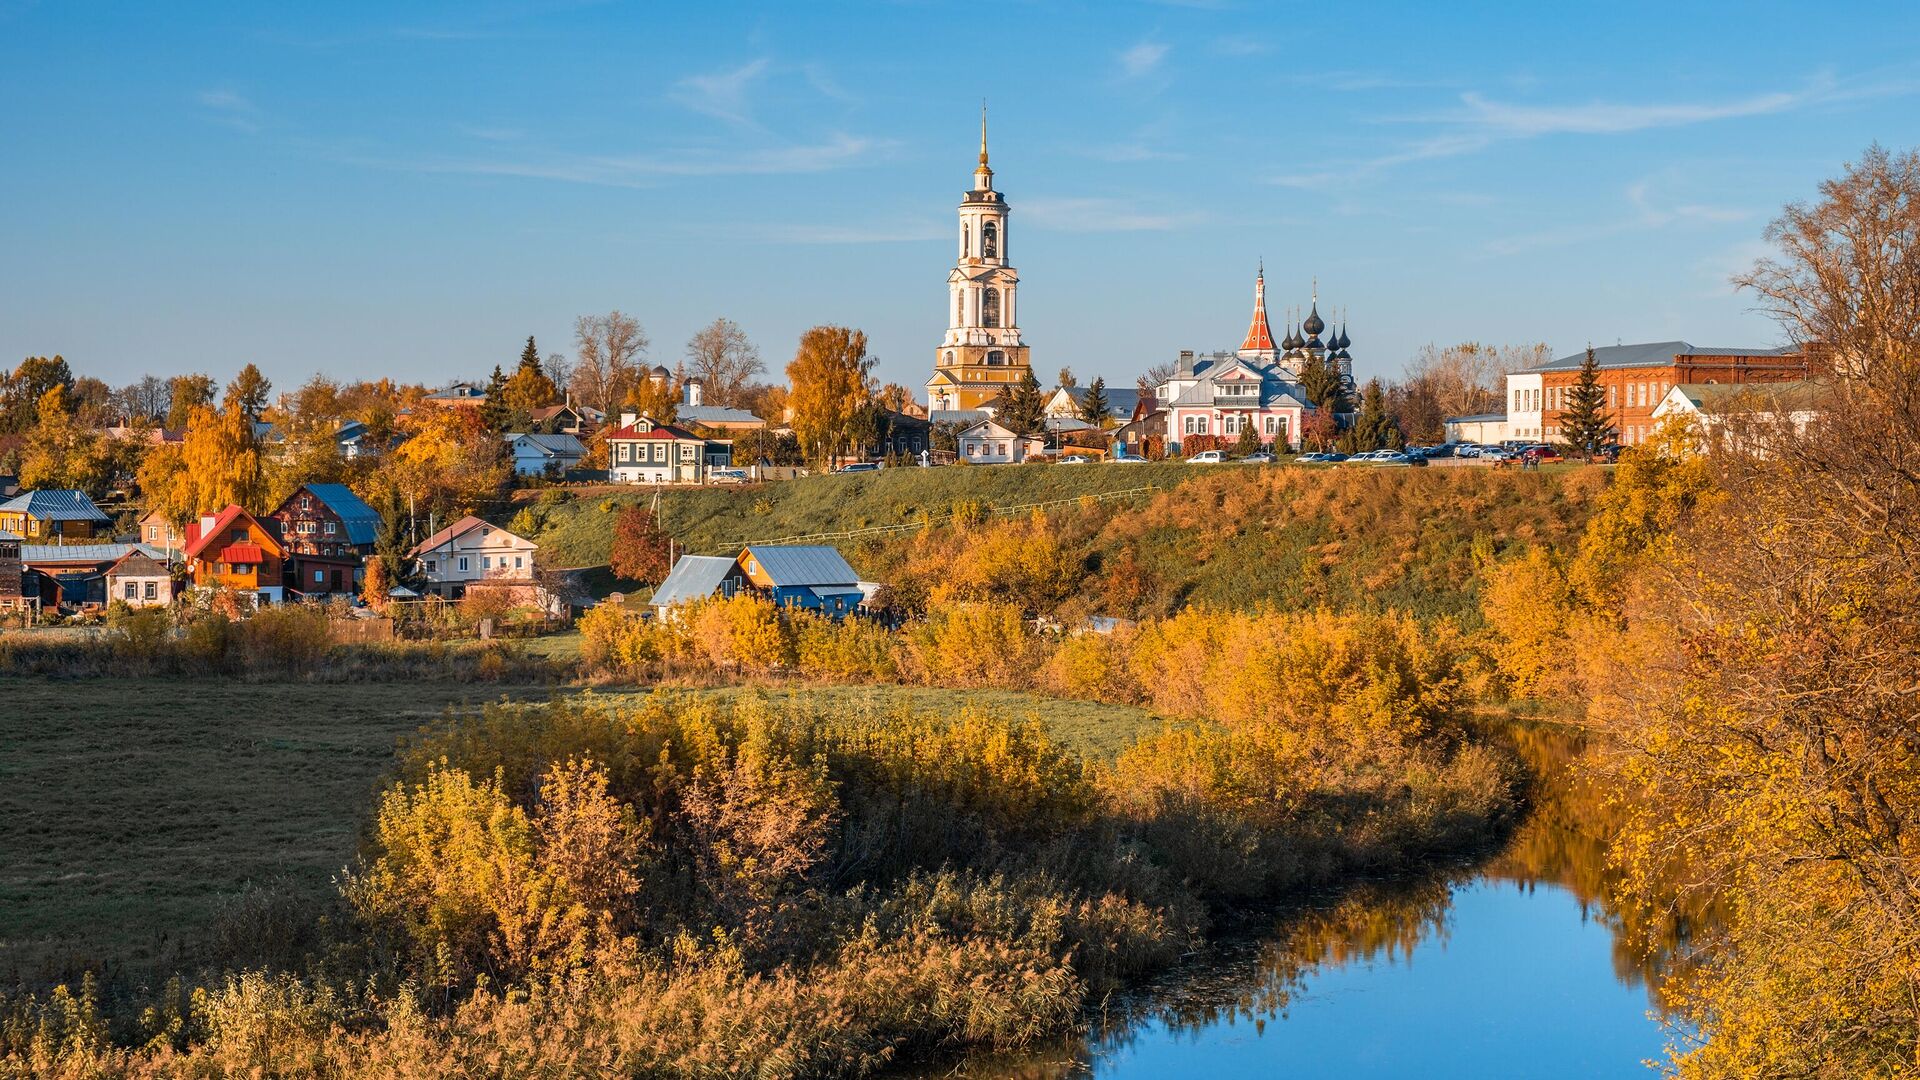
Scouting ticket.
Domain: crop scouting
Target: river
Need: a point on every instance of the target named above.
(1515, 967)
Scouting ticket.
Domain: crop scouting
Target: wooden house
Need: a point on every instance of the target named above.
(54, 517)
(12, 592)
(811, 576)
(470, 552)
(138, 579)
(328, 532)
(235, 550)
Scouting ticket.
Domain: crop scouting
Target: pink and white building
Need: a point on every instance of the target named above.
(1256, 387)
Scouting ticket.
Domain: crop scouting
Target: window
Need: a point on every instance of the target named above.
(990, 242)
(516, 562)
(239, 536)
(306, 502)
(130, 590)
(463, 564)
(486, 562)
(990, 308)
(433, 565)
(319, 576)
(1612, 400)
(996, 357)
(152, 590)
(966, 239)
(329, 530)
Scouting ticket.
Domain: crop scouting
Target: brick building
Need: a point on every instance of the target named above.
(1636, 378)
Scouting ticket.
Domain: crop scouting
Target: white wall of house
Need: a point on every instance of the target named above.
(140, 590)
(481, 553)
(1524, 405)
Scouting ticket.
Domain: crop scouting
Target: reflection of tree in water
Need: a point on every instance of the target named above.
(1562, 842)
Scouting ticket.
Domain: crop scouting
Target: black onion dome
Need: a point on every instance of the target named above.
(1313, 325)
(1344, 342)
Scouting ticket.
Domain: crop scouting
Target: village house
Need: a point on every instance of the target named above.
(12, 593)
(157, 532)
(1068, 402)
(235, 550)
(470, 552)
(1719, 412)
(75, 575)
(137, 579)
(536, 454)
(460, 393)
(328, 532)
(569, 419)
(1487, 429)
(812, 577)
(53, 517)
(644, 451)
(988, 443)
(694, 577)
(695, 411)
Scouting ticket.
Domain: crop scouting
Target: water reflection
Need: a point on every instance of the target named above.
(1522, 966)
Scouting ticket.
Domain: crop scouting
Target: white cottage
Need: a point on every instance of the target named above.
(471, 551)
(988, 443)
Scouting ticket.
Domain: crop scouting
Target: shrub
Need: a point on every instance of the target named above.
(972, 644)
(286, 637)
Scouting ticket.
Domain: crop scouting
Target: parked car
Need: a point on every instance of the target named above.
(1468, 450)
(1207, 457)
(728, 476)
(1075, 459)
(1261, 458)
(1495, 454)
(861, 466)
(1127, 459)
(1543, 452)
(1392, 457)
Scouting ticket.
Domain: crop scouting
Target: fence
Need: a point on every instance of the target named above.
(910, 526)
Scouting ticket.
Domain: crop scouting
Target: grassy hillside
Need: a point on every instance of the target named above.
(580, 532)
(1296, 537)
(153, 825)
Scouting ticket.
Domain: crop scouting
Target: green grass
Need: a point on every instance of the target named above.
(132, 811)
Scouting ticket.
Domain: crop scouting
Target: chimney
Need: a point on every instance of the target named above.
(206, 524)
(627, 419)
(693, 393)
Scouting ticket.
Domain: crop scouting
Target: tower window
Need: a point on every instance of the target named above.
(966, 239)
(990, 307)
(990, 240)
(996, 356)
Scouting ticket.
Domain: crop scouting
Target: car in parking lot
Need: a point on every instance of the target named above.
(1075, 459)
(1260, 458)
(1127, 459)
(1207, 457)
(727, 476)
(860, 466)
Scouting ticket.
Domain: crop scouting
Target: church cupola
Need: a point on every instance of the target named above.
(1260, 333)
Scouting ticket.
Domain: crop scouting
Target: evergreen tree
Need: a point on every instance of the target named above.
(1025, 412)
(391, 543)
(1585, 424)
(1093, 407)
(1373, 428)
(527, 390)
(1321, 384)
(248, 392)
(1248, 442)
(494, 412)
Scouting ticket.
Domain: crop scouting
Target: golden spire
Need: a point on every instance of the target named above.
(983, 131)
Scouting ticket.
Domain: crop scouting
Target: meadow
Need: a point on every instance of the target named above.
(141, 821)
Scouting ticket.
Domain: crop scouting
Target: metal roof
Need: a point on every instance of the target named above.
(101, 553)
(560, 445)
(55, 505)
(1652, 354)
(362, 522)
(715, 414)
(694, 577)
(956, 416)
(803, 564)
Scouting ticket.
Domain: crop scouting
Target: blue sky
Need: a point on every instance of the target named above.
(410, 190)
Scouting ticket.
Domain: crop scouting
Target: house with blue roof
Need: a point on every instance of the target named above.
(54, 517)
(813, 577)
(539, 454)
(328, 532)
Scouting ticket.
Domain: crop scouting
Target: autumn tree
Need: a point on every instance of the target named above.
(1584, 423)
(640, 546)
(896, 397)
(654, 394)
(528, 389)
(22, 391)
(1464, 379)
(217, 464)
(1093, 407)
(1067, 381)
(248, 392)
(830, 379)
(725, 361)
(60, 452)
(450, 464)
(609, 349)
(144, 400)
(185, 393)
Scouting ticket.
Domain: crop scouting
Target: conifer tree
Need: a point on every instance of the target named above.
(1093, 407)
(494, 412)
(1248, 442)
(1025, 412)
(1321, 384)
(1373, 428)
(1585, 424)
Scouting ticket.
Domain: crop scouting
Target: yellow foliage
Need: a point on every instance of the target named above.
(972, 644)
(1528, 604)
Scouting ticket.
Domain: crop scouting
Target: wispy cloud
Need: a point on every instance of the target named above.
(230, 108)
(1097, 215)
(1647, 213)
(722, 94)
(1478, 122)
(1142, 60)
(650, 170)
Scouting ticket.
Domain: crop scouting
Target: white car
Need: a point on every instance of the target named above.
(1075, 459)
(1126, 459)
(1207, 457)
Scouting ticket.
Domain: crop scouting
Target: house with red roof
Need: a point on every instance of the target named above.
(643, 450)
(235, 550)
(471, 553)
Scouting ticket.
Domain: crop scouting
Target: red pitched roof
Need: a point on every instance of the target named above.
(1259, 335)
(660, 431)
(194, 543)
(460, 528)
